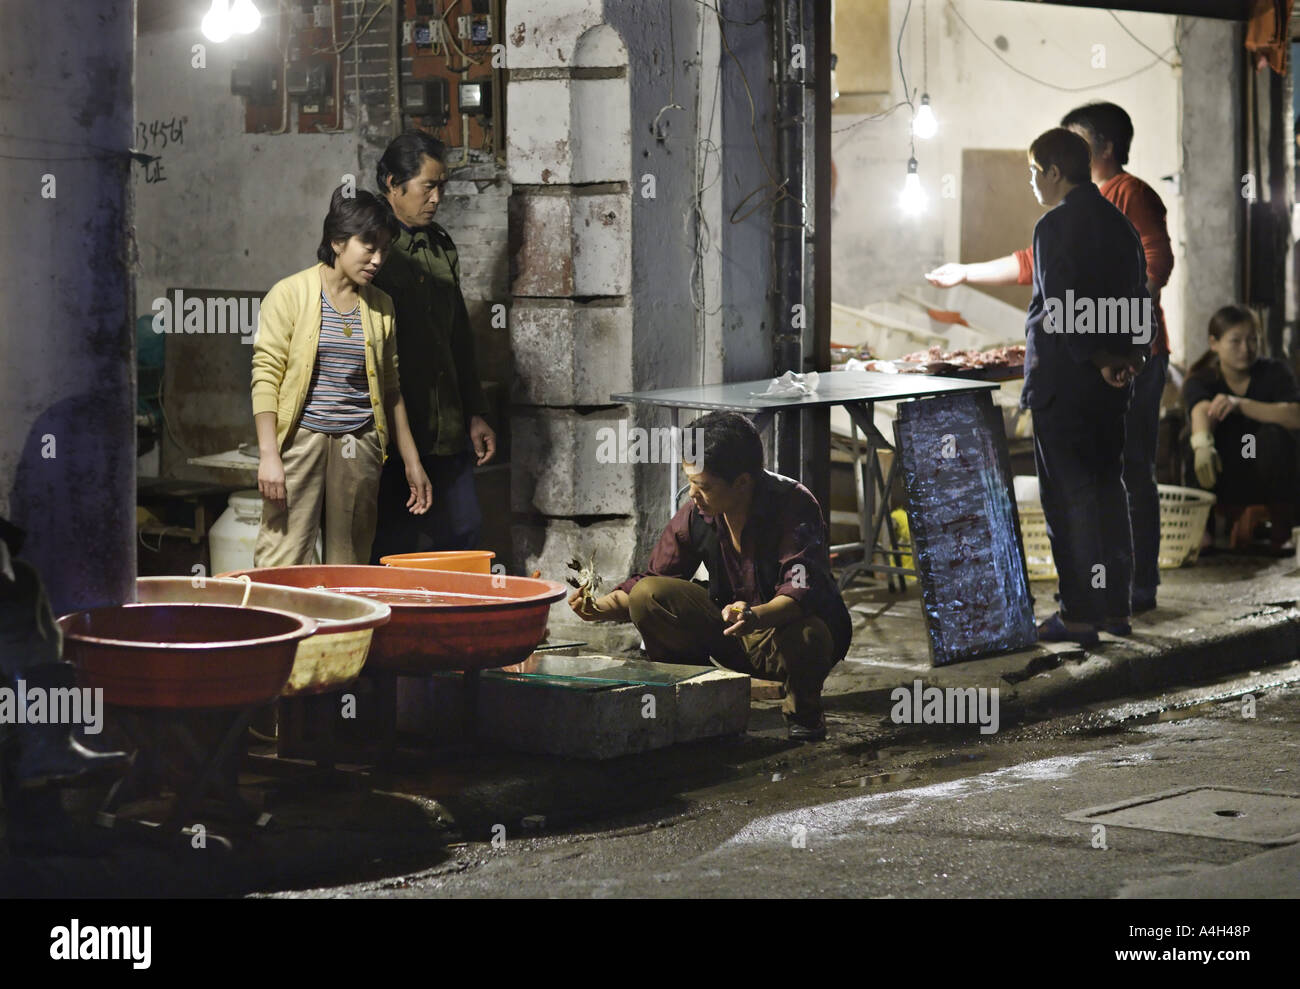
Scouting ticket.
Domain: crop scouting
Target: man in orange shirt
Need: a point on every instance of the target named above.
(1109, 132)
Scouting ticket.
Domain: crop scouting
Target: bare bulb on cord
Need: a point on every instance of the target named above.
(924, 124)
(244, 17)
(216, 25)
(912, 199)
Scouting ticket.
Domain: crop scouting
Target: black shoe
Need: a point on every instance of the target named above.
(1053, 630)
(1118, 628)
(800, 732)
(1143, 603)
(48, 753)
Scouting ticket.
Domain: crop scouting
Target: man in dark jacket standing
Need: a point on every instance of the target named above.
(1089, 327)
(772, 608)
(435, 353)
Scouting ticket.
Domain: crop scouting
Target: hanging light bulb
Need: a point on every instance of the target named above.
(216, 22)
(912, 198)
(244, 17)
(924, 124)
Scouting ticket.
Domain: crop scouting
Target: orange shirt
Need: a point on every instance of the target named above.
(1144, 209)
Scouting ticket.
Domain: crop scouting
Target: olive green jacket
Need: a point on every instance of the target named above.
(435, 343)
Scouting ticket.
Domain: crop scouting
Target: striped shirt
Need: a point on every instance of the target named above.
(338, 399)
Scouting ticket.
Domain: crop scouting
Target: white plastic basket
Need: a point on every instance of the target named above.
(1183, 513)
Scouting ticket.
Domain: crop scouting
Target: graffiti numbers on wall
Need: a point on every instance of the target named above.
(154, 136)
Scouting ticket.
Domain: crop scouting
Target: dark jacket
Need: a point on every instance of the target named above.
(1087, 257)
(435, 344)
(786, 541)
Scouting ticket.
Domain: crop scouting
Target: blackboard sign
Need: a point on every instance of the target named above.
(965, 527)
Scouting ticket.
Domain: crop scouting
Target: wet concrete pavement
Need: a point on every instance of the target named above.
(980, 819)
(886, 809)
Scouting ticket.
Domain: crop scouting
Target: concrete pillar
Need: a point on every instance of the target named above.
(571, 321)
(67, 364)
(1213, 209)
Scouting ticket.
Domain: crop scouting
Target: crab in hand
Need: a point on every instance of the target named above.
(587, 581)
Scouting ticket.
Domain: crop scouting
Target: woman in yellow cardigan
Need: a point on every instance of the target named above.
(325, 390)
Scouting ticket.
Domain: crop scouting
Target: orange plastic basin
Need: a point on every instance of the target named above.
(464, 561)
(184, 655)
(442, 619)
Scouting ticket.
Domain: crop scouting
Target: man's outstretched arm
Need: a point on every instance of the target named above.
(999, 271)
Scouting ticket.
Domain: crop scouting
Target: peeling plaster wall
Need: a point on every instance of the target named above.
(67, 388)
(981, 103)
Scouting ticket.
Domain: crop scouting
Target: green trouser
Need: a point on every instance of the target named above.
(680, 624)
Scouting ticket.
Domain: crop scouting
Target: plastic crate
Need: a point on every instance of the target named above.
(1183, 514)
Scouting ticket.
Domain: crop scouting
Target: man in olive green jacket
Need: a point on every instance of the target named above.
(435, 345)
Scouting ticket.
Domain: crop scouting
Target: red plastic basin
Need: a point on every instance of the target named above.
(184, 655)
(442, 620)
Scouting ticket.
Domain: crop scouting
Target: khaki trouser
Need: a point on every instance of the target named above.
(681, 624)
(336, 472)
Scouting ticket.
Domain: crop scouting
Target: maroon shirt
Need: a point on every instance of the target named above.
(783, 551)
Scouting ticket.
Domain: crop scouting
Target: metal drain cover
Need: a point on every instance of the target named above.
(1208, 811)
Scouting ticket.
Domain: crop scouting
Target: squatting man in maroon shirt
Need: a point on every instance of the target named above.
(771, 608)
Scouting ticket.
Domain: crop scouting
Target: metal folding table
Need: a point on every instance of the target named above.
(857, 392)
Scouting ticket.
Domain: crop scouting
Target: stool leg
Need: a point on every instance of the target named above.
(386, 684)
(187, 801)
(470, 714)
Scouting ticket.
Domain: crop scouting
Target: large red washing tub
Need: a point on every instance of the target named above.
(184, 655)
(442, 620)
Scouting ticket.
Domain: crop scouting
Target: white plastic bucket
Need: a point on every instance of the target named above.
(233, 536)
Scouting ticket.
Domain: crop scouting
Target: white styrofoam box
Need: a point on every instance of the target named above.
(994, 322)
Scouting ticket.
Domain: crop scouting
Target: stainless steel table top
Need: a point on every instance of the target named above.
(833, 388)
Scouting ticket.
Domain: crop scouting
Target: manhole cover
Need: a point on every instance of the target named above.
(1207, 811)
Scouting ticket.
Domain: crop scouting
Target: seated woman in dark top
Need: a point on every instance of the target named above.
(1243, 408)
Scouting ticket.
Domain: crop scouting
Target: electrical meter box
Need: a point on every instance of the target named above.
(427, 98)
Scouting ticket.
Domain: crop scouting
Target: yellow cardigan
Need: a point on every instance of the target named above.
(284, 351)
